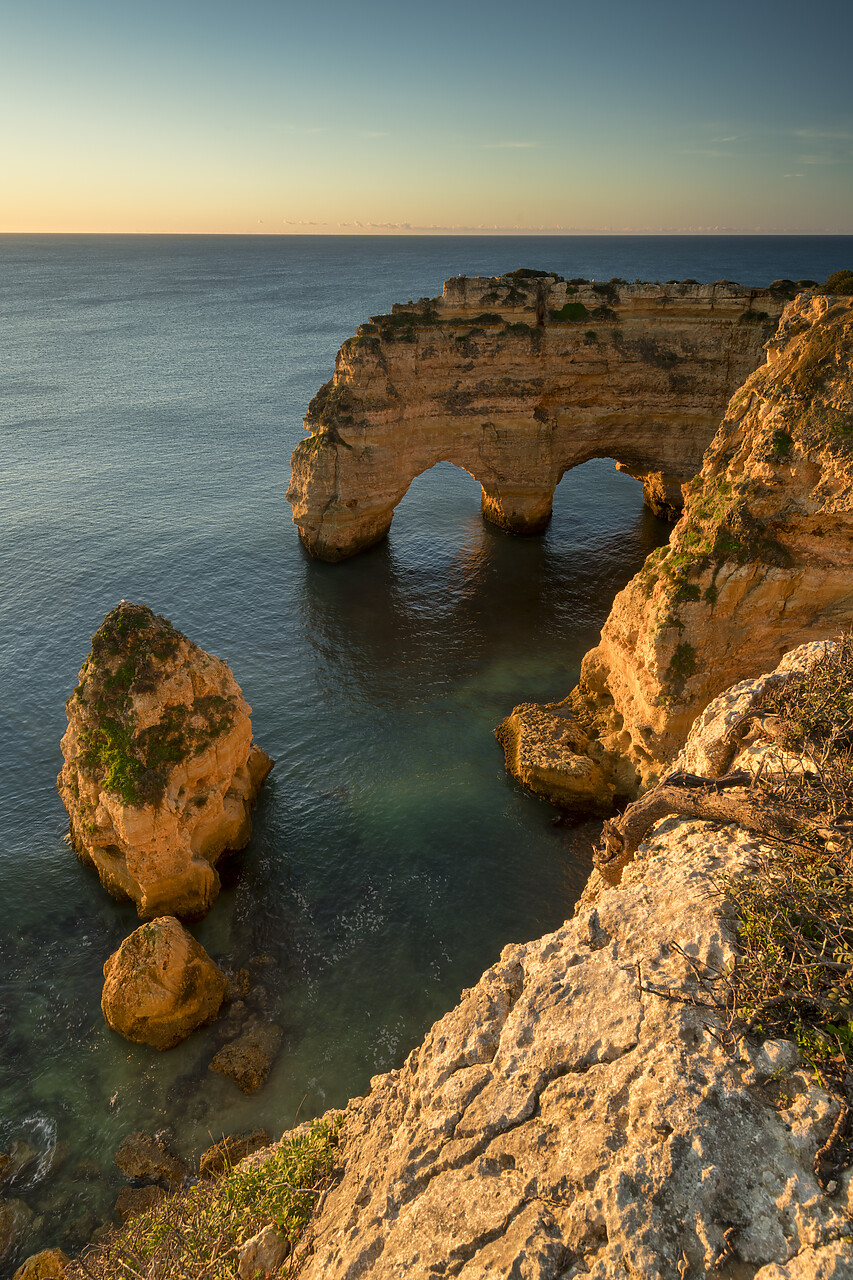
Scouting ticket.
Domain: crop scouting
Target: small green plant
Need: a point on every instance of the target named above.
(608, 290)
(781, 444)
(525, 273)
(570, 312)
(683, 662)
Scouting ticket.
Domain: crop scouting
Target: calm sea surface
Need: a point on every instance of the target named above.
(151, 392)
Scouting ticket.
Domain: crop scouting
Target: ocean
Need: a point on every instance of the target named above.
(152, 390)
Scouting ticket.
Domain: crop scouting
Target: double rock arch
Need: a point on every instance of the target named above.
(516, 380)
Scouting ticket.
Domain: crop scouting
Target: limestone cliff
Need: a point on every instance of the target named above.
(160, 772)
(761, 561)
(517, 379)
(577, 1113)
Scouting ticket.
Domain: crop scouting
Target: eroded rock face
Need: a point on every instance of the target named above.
(160, 771)
(760, 562)
(159, 986)
(516, 379)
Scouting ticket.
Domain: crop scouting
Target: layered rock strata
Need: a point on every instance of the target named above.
(161, 985)
(577, 1114)
(516, 379)
(160, 771)
(761, 560)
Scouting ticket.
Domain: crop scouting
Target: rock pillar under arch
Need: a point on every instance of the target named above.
(517, 509)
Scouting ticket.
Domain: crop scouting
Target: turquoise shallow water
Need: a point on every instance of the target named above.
(152, 392)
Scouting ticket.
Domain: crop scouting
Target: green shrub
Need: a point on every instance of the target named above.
(840, 282)
(571, 311)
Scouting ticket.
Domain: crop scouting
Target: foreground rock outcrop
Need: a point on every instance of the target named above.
(517, 379)
(578, 1113)
(160, 770)
(161, 985)
(761, 561)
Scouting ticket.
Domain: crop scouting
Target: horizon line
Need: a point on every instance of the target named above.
(441, 233)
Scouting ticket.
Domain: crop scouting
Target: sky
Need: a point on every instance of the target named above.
(343, 116)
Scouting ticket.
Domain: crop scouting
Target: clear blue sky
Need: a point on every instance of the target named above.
(200, 115)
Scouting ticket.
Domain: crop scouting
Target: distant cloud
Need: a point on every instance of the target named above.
(734, 138)
(498, 146)
(842, 135)
(815, 159)
(794, 175)
(707, 151)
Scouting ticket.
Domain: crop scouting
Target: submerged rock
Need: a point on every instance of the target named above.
(160, 985)
(143, 1157)
(248, 1059)
(50, 1264)
(15, 1218)
(160, 771)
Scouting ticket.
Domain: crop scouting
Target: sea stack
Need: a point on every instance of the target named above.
(160, 771)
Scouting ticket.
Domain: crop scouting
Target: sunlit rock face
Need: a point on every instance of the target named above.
(760, 562)
(160, 770)
(516, 379)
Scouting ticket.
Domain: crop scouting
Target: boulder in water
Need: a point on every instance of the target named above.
(160, 985)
